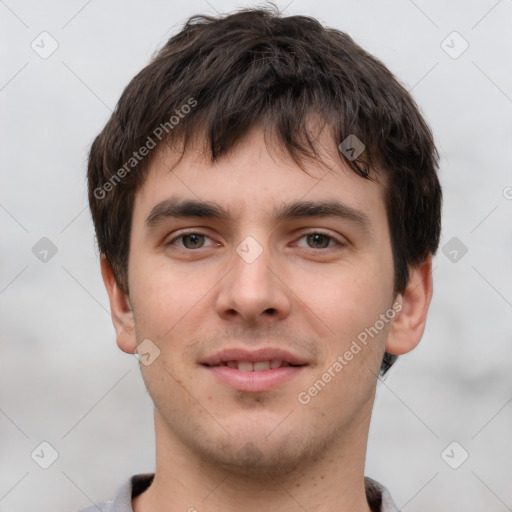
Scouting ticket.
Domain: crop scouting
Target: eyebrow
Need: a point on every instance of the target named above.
(184, 208)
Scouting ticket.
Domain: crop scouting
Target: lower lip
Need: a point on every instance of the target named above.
(255, 381)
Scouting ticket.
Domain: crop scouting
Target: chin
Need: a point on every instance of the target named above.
(257, 462)
(251, 454)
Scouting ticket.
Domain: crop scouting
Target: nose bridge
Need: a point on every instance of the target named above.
(251, 287)
(251, 268)
(250, 250)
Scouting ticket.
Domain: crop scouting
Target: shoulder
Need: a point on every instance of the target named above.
(122, 500)
(379, 497)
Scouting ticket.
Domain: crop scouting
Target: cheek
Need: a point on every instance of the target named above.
(173, 309)
(165, 293)
(351, 306)
(349, 299)
(167, 302)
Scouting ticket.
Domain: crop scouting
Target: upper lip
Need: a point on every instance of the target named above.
(253, 356)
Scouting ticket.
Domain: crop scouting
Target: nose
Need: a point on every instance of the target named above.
(254, 290)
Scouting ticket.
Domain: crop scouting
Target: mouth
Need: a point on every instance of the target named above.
(257, 371)
(258, 366)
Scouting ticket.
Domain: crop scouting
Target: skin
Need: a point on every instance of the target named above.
(221, 449)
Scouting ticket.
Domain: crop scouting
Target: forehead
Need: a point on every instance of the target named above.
(258, 180)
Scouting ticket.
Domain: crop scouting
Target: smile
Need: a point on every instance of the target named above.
(253, 377)
(258, 366)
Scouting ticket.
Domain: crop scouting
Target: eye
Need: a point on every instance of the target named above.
(315, 240)
(319, 240)
(190, 240)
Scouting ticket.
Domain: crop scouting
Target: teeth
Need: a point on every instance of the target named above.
(259, 366)
(245, 366)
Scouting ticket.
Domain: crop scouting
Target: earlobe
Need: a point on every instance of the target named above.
(409, 324)
(121, 310)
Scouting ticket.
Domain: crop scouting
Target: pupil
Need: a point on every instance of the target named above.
(317, 238)
(194, 239)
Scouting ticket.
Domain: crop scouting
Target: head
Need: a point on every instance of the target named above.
(253, 110)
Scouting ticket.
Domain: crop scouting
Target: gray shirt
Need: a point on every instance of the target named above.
(378, 496)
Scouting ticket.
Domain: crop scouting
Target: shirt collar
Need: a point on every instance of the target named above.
(377, 495)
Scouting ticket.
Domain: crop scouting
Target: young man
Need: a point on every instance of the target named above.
(266, 205)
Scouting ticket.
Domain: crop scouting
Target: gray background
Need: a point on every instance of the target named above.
(63, 380)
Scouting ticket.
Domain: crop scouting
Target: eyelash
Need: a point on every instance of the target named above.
(315, 232)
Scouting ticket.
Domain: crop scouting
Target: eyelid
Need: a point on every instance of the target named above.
(183, 233)
(339, 240)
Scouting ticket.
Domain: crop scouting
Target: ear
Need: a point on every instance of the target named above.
(121, 310)
(408, 325)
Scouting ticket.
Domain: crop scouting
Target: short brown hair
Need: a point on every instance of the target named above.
(256, 67)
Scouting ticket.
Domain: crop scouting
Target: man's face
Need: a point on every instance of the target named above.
(297, 289)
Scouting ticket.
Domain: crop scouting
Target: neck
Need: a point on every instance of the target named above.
(332, 480)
